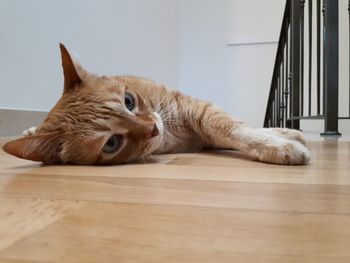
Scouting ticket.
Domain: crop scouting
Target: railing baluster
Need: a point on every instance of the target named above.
(295, 63)
(324, 55)
(286, 92)
(276, 105)
(282, 90)
(302, 5)
(279, 97)
(274, 110)
(290, 99)
(349, 53)
(310, 54)
(277, 100)
(331, 67)
(318, 40)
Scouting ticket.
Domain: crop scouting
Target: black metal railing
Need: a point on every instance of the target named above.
(297, 92)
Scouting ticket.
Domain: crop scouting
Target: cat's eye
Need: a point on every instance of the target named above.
(113, 144)
(129, 101)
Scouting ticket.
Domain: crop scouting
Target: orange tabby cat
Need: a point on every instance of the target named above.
(112, 120)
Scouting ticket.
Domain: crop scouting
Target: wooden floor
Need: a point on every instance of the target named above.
(207, 207)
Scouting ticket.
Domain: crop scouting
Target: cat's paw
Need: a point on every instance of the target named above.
(288, 134)
(285, 152)
(29, 132)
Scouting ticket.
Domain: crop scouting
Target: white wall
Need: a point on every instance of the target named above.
(211, 49)
(203, 52)
(237, 76)
(111, 37)
(182, 43)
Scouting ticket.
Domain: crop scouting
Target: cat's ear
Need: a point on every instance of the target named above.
(71, 76)
(41, 148)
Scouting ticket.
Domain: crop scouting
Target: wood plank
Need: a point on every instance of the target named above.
(23, 217)
(152, 233)
(205, 207)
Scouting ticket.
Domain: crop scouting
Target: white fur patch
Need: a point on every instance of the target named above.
(112, 105)
(29, 132)
(157, 140)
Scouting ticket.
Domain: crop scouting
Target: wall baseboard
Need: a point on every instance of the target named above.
(13, 122)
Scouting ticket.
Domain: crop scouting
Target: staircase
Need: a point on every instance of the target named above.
(305, 81)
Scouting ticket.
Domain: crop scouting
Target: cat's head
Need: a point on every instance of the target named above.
(98, 120)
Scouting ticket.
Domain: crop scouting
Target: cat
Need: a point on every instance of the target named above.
(114, 120)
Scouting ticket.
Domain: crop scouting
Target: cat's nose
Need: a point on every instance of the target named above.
(155, 131)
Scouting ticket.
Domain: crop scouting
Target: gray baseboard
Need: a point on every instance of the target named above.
(13, 122)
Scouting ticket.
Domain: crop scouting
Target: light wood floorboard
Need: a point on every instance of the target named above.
(205, 207)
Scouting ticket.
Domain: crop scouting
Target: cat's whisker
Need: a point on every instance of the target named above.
(162, 100)
(158, 107)
(168, 111)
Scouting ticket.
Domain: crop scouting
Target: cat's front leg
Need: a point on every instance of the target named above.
(279, 146)
(267, 146)
(289, 134)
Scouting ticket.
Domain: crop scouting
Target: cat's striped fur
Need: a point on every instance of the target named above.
(92, 109)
